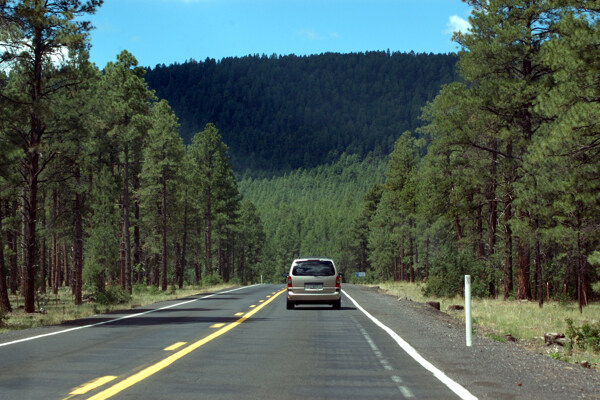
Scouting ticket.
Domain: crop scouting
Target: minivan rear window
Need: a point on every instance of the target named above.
(313, 268)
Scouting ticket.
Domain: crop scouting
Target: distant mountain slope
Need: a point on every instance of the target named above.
(309, 212)
(281, 113)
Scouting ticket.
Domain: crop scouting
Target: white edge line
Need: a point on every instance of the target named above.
(454, 386)
(121, 318)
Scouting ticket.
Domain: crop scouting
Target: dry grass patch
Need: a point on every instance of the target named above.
(56, 309)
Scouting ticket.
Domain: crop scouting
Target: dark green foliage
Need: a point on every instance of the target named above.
(212, 280)
(448, 272)
(140, 288)
(282, 113)
(586, 336)
(311, 212)
(507, 177)
(112, 295)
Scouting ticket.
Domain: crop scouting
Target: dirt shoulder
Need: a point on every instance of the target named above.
(489, 369)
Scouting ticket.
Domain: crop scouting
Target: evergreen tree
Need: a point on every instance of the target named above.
(126, 117)
(502, 61)
(215, 186)
(567, 160)
(162, 159)
(33, 33)
(250, 243)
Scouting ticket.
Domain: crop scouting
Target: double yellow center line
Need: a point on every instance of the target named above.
(151, 370)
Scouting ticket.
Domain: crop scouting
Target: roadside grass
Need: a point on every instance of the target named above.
(525, 321)
(56, 309)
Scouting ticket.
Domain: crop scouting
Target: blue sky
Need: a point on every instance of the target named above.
(168, 31)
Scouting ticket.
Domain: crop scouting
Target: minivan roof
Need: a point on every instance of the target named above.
(313, 259)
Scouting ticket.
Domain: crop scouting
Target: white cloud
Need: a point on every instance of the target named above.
(311, 34)
(457, 24)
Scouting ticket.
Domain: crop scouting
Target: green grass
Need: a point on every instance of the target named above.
(526, 321)
(60, 308)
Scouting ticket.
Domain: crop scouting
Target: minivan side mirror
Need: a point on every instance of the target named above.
(285, 275)
(341, 274)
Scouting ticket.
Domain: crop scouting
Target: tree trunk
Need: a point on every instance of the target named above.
(156, 274)
(198, 270)
(411, 258)
(221, 267)
(4, 300)
(126, 234)
(459, 232)
(178, 269)
(31, 170)
(122, 257)
(508, 258)
(401, 262)
(31, 165)
(479, 232)
(538, 273)
(11, 241)
(208, 233)
(427, 258)
(184, 243)
(523, 271)
(163, 212)
(492, 225)
(67, 266)
(54, 264)
(78, 245)
(583, 285)
(137, 246)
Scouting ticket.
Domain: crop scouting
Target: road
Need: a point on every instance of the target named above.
(239, 343)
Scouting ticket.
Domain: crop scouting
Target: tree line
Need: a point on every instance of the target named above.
(97, 187)
(502, 181)
(281, 113)
(310, 211)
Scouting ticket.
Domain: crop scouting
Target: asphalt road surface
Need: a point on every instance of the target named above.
(237, 344)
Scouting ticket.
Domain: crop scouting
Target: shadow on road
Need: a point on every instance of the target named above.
(309, 307)
(153, 320)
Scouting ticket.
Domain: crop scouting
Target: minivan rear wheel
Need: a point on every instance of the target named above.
(289, 305)
(337, 304)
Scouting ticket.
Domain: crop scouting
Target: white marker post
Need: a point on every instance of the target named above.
(468, 323)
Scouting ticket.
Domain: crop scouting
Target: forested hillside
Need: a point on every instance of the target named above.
(280, 113)
(311, 212)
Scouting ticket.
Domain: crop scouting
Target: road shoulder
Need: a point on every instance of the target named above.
(489, 369)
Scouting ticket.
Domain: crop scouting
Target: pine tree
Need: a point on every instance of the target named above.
(250, 243)
(502, 62)
(33, 33)
(162, 160)
(568, 159)
(216, 187)
(126, 117)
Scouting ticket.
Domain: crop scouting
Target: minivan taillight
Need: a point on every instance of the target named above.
(337, 282)
(289, 282)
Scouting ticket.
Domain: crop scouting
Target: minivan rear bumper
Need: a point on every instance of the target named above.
(313, 297)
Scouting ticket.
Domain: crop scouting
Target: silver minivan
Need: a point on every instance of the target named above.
(313, 281)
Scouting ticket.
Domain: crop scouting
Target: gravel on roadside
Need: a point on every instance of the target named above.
(489, 369)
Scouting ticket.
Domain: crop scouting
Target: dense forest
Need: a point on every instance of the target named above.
(280, 113)
(508, 189)
(311, 212)
(227, 170)
(97, 190)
